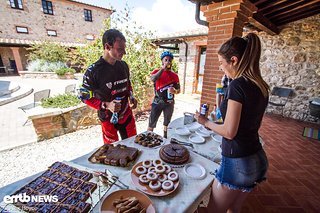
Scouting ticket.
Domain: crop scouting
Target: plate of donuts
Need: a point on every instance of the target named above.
(154, 177)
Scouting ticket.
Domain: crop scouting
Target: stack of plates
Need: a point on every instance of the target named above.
(194, 138)
(202, 133)
(217, 138)
(193, 126)
(182, 131)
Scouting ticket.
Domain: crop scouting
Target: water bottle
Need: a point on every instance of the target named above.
(114, 118)
(218, 115)
(204, 109)
(169, 95)
(213, 113)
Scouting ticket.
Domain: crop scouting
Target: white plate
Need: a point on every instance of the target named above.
(193, 126)
(205, 131)
(182, 131)
(202, 134)
(195, 171)
(217, 138)
(194, 138)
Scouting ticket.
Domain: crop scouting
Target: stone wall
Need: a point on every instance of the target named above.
(67, 20)
(63, 121)
(292, 59)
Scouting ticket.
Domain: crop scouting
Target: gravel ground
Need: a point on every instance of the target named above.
(30, 159)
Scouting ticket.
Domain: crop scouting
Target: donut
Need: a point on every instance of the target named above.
(152, 169)
(143, 179)
(141, 170)
(147, 163)
(160, 169)
(155, 185)
(152, 176)
(168, 168)
(173, 176)
(162, 177)
(157, 162)
(167, 185)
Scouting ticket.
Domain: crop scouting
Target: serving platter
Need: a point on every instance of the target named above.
(145, 188)
(145, 202)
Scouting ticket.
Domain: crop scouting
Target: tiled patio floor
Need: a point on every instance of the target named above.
(293, 183)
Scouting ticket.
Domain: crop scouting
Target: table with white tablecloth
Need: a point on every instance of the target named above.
(185, 198)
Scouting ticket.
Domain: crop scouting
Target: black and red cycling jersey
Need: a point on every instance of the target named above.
(107, 82)
(167, 79)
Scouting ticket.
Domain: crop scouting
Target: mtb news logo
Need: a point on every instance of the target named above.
(24, 198)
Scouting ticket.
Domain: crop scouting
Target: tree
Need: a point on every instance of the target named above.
(142, 56)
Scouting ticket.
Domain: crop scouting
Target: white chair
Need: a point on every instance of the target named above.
(37, 98)
(70, 89)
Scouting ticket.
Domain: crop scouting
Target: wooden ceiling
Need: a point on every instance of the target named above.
(272, 14)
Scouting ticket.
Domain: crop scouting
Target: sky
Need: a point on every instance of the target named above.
(161, 16)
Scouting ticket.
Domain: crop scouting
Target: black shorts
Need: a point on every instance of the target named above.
(156, 110)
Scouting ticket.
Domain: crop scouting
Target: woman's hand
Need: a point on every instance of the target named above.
(200, 118)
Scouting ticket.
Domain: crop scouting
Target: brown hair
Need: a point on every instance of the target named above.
(248, 51)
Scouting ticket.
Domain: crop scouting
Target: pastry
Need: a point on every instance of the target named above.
(160, 169)
(141, 170)
(155, 185)
(167, 185)
(156, 162)
(143, 179)
(152, 176)
(119, 155)
(174, 154)
(162, 177)
(173, 175)
(147, 163)
(149, 139)
(70, 185)
(152, 169)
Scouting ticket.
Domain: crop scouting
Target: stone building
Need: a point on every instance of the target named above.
(290, 56)
(25, 22)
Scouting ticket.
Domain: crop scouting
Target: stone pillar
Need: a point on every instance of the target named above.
(226, 19)
(17, 58)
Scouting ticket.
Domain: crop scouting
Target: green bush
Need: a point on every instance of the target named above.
(40, 65)
(64, 70)
(48, 51)
(61, 101)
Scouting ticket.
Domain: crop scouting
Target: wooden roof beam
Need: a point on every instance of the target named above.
(263, 23)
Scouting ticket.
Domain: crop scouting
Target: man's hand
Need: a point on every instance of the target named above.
(166, 65)
(172, 90)
(133, 103)
(113, 106)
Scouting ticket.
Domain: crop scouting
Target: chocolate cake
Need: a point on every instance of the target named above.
(69, 184)
(174, 154)
(119, 155)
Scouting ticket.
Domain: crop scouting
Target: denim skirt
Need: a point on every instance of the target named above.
(243, 173)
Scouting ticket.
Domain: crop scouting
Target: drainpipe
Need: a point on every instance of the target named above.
(197, 17)
(185, 67)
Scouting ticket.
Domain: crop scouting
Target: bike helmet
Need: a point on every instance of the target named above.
(166, 53)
